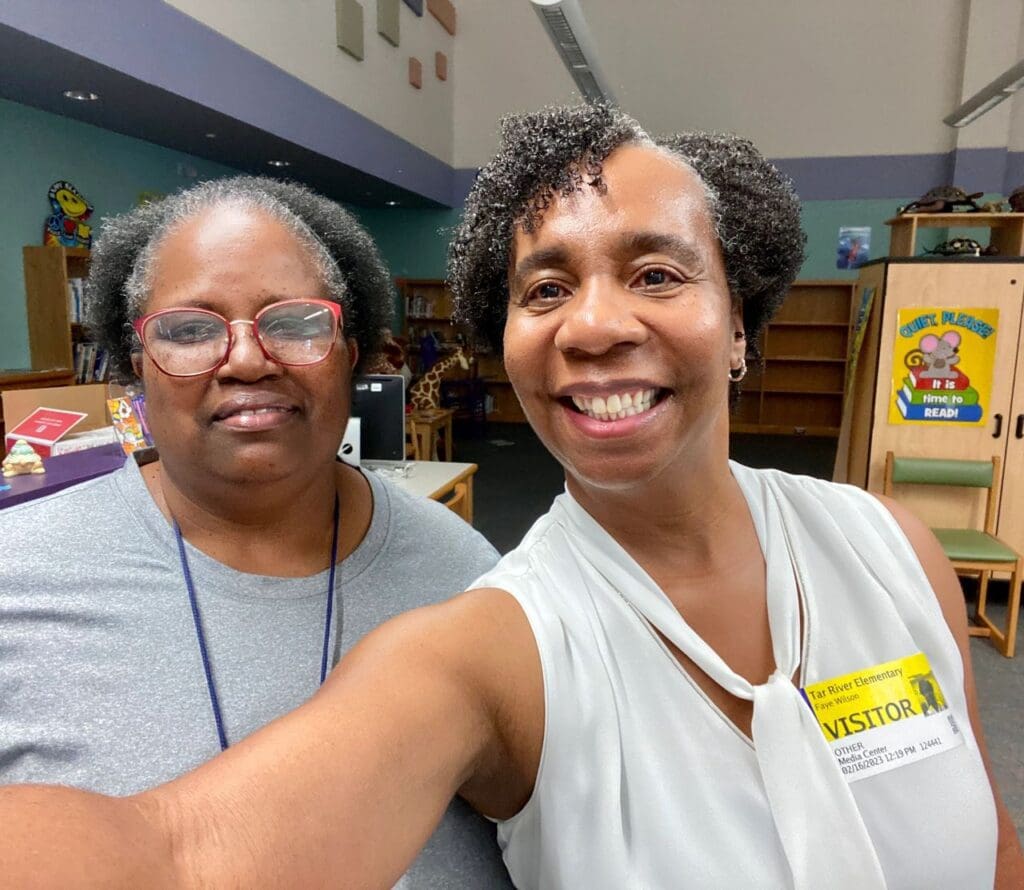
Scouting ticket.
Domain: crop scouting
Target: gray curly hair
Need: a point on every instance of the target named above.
(560, 150)
(345, 256)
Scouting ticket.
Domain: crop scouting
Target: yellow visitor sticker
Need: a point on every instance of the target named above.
(884, 716)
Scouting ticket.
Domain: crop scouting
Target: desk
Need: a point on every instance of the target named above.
(62, 472)
(427, 424)
(434, 479)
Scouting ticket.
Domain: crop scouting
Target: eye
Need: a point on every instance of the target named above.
(545, 293)
(656, 279)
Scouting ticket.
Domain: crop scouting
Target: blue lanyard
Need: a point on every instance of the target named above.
(201, 637)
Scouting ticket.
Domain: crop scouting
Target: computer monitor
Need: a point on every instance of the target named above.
(378, 400)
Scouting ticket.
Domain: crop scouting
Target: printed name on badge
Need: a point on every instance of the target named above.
(883, 717)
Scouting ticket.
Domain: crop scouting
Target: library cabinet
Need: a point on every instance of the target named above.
(51, 331)
(901, 301)
(797, 388)
(427, 305)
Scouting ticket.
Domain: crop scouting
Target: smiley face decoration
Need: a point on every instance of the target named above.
(66, 226)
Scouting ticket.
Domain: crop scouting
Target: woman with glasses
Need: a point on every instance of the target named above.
(690, 674)
(157, 616)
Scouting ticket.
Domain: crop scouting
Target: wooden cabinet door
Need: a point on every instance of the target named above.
(957, 286)
(1011, 503)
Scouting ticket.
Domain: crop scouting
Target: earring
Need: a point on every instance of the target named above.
(737, 374)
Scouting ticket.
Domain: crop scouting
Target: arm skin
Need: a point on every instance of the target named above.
(342, 792)
(1009, 858)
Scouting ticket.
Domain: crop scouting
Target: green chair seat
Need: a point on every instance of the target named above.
(973, 546)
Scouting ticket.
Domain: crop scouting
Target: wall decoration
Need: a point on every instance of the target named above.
(444, 12)
(387, 20)
(415, 5)
(415, 72)
(942, 365)
(854, 248)
(349, 24)
(441, 66)
(66, 225)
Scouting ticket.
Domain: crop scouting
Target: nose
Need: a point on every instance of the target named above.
(246, 360)
(599, 317)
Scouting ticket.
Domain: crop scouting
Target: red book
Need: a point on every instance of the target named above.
(939, 384)
(44, 427)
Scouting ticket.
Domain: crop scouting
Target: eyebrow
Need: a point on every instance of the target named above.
(539, 259)
(681, 249)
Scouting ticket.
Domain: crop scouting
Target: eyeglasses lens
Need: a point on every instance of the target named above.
(297, 333)
(186, 342)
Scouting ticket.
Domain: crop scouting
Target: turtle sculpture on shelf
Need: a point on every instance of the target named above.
(1016, 199)
(22, 459)
(943, 199)
(961, 247)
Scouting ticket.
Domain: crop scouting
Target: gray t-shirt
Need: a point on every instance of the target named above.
(101, 680)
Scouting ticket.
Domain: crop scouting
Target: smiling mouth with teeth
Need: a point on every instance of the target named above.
(618, 406)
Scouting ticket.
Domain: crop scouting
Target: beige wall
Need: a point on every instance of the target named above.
(299, 37)
(803, 78)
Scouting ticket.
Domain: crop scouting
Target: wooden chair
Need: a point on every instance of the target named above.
(412, 440)
(972, 551)
(459, 503)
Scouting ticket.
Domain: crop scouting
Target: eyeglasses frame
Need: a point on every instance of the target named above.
(335, 309)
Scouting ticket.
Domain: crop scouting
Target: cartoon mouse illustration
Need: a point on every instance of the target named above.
(939, 354)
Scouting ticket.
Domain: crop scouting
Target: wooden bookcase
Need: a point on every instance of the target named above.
(51, 335)
(435, 314)
(799, 388)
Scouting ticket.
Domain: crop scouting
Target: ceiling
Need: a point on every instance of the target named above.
(35, 72)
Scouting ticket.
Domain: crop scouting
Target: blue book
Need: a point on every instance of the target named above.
(947, 413)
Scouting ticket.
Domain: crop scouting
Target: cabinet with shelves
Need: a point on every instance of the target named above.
(56, 335)
(868, 431)
(799, 386)
(428, 308)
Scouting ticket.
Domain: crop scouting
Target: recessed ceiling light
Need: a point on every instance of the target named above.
(280, 163)
(80, 95)
(391, 203)
(210, 135)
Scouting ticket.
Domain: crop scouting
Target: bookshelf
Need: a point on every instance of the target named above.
(799, 388)
(57, 337)
(428, 307)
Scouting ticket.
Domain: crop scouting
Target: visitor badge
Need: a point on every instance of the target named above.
(884, 717)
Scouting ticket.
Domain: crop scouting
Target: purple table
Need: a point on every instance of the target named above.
(62, 472)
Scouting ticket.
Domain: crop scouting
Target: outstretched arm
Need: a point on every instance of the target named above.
(1009, 859)
(342, 792)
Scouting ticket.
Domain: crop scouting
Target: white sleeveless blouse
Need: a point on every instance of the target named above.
(643, 781)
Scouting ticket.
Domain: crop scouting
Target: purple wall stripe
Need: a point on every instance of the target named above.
(144, 39)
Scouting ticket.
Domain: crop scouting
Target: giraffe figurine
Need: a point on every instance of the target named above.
(425, 394)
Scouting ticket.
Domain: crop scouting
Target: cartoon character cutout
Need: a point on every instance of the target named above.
(939, 355)
(67, 225)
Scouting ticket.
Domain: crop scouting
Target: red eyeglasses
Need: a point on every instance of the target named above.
(192, 342)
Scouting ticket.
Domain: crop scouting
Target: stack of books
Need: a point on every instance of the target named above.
(938, 398)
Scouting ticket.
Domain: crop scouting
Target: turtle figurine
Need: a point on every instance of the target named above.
(961, 247)
(943, 199)
(993, 207)
(1016, 199)
(22, 460)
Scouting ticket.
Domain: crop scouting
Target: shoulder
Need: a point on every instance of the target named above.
(59, 522)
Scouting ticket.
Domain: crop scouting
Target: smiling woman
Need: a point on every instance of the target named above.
(639, 694)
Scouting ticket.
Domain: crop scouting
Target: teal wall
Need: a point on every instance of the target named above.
(109, 169)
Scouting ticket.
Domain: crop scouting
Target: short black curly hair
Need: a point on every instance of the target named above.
(559, 150)
(349, 262)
